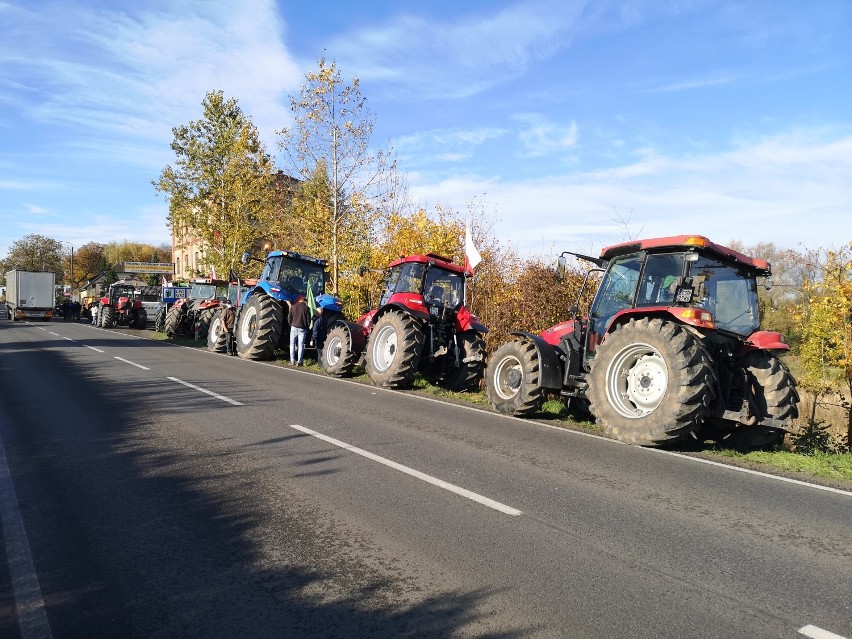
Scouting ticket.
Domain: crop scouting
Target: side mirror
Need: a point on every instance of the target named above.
(561, 267)
(361, 270)
(245, 257)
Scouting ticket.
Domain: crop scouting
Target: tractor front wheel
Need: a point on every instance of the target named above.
(217, 336)
(160, 320)
(512, 379)
(393, 350)
(173, 320)
(107, 317)
(140, 322)
(338, 359)
(204, 320)
(650, 383)
(259, 329)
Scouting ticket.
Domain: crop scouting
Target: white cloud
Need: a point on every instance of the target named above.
(789, 189)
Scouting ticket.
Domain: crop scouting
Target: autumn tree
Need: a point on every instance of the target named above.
(221, 187)
(331, 134)
(89, 262)
(35, 253)
(826, 347)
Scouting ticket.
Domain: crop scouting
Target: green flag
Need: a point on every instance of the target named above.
(310, 301)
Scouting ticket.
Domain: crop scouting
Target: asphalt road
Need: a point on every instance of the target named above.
(160, 491)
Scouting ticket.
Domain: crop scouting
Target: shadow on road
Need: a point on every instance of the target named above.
(159, 531)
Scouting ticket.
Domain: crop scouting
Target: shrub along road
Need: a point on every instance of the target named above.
(166, 491)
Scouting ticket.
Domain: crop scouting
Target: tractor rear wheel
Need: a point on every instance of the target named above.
(107, 316)
(160, 320)
(468, 375)
(338, 359)
(261, 323)
(393, 350)
(512, 380)
(650, 383)
(217, 336)
(173, 320)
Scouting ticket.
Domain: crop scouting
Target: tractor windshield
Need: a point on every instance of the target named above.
(728, 292)
(208, 292)
(443, 288)
(404, 278)
(295, 276)
(122, 291)
(617, 290)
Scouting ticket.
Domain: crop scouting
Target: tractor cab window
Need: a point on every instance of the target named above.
(294, 276)
(728, 292)
(617, 291)
(404, 278)
(203, 291)
(443, 288)
(660, 279)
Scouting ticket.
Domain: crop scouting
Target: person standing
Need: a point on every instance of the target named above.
(320, 331)
(300, 321)
(228, 319)
(94, 310)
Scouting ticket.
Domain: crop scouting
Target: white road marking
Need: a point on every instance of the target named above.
(205, 391)
(127, 361)
(93, 348)
(485, 501)
(818, 633)
(749, 471)
(52, 333)
(26, 591)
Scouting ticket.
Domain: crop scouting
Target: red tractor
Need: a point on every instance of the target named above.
(198, 308)
(122, 306)
(420, 324)
(217, 336)
(670, 349)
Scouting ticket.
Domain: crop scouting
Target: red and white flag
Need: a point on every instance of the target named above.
(471, 253)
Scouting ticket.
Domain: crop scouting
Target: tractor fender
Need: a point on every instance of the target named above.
(357, 335)
(550, 367)
(467, 321)
(422, 316)
(768, 341)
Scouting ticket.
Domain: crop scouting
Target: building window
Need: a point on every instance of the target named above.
(177, 265)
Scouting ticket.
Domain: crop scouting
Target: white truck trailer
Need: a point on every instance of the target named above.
(30, 295)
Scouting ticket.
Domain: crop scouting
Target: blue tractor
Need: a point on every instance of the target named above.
(261, 324)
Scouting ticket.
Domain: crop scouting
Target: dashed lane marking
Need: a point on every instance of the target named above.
(485, 501)
(818, 633)
(205, 391)
(127, 361)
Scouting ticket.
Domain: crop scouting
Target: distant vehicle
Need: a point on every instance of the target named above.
(30, 295)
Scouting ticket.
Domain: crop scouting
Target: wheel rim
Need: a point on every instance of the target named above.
(332, 351)
(637, 380)
(248, 325)
(384, 351)
(507, 377)
(213, 332)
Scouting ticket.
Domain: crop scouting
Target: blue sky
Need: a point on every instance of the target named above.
(573, 122)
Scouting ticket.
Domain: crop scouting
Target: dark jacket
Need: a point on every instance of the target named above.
(320, 330)
(300, 315)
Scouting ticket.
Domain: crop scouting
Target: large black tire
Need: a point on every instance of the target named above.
(261, 323)
(338, 359)
(467, 376)
(141, 319)
(513, 379)
(775, 394)
(650, 383)
(217, 336)
(393, 350)
(204, 320)
(173, 320)
(106, 318)
(160, 320)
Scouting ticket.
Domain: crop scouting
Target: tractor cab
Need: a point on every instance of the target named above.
(287, 275)
(687, 279)
(424, 284)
